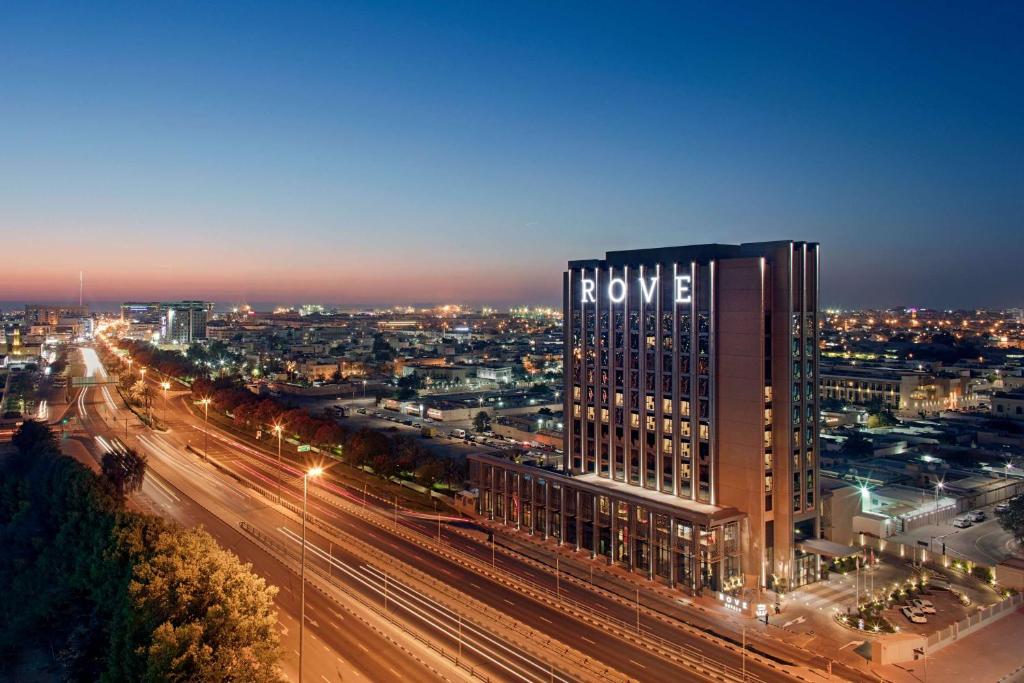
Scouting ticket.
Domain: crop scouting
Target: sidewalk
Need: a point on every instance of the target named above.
(704, 613)
(991, 654)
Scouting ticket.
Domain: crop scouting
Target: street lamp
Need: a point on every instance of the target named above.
(279, 430)
(205, 402)
(312, 472)
(165, 386)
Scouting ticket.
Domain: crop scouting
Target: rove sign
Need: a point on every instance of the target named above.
(618, 289)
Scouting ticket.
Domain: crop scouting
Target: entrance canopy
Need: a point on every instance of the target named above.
(825, 548)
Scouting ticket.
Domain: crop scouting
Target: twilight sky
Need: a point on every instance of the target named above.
(378, 152)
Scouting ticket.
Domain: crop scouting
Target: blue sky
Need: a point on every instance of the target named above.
(392, 152)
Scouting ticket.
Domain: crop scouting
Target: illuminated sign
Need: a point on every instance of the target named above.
(618, 289)
(734, 604)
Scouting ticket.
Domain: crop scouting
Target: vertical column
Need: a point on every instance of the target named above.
(671, 550)
(675, 386)
(577, 521)
(547, 509)
(652, 545)
(631, 539)
(561, 514)
(613, 527)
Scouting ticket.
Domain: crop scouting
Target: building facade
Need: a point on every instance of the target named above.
(691, 431)
(184, 322)
(50, 316)
(908, 392)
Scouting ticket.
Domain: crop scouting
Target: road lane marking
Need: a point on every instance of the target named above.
(638, 663)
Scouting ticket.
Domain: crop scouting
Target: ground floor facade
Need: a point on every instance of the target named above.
(694, 548)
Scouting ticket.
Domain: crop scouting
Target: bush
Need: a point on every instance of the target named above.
(120, 595)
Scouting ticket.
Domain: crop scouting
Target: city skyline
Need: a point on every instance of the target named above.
(378, 155)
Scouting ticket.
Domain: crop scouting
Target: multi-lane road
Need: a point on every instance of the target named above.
(507, 591)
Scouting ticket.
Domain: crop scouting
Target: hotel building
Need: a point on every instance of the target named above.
(691, 431)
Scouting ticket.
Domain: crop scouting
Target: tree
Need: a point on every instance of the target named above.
(482, 421)
(33, 436)
(1012, 519)
(883, 418)
(124, 469)
(857, 444)
(210, 618)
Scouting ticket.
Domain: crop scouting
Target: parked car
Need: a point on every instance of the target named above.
(977, 516)
(361, 411)
(913, 616)
(1002, 507)
(961, 596)
(961, 522)
(939, 585)
(925, 606)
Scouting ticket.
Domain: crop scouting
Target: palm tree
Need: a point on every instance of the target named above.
(146, 394)
(125, 469)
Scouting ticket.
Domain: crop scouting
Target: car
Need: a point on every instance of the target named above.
(961, 596)
(977, 516)
(913, 616)
(1002, 507)
(961, 522)
(925, 606)
(361, 411)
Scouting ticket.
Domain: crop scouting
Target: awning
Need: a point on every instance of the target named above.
(826, 548)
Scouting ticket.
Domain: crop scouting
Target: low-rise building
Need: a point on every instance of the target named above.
(1009, 404)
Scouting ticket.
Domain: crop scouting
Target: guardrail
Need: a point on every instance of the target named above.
(690, 657)
(273, 546)
(586, 664)
(641, 636)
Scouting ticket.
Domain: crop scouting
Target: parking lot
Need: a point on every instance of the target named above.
(985, 542)
(444, 442)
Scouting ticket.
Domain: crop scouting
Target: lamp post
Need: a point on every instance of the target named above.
(312, 472)
(938, 487)
(279, 430)
(205, 402)
(165, 386)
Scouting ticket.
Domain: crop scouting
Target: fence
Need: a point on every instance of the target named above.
(916, 553)
(967, 625)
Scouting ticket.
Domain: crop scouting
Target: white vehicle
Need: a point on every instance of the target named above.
(914, 616)
(1002, 507)
(961, 522)
(458, 433)
(925, 606)
(977, 516)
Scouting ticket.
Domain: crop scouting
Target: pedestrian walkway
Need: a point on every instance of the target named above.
(837, 592)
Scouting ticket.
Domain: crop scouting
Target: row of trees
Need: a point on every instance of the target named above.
(113, 595)
(388, 454)
(261, 412)
(169, 363)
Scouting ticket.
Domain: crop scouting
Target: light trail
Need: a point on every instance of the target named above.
(376, 583)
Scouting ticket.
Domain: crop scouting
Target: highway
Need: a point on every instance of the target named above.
(339, 646)
(185, 472)
(602, 638)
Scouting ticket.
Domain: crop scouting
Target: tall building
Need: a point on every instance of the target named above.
(184, 322)
(146, 312)
(50, 316)
(691, 431)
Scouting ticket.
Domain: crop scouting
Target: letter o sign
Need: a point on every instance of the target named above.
(617, 290)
